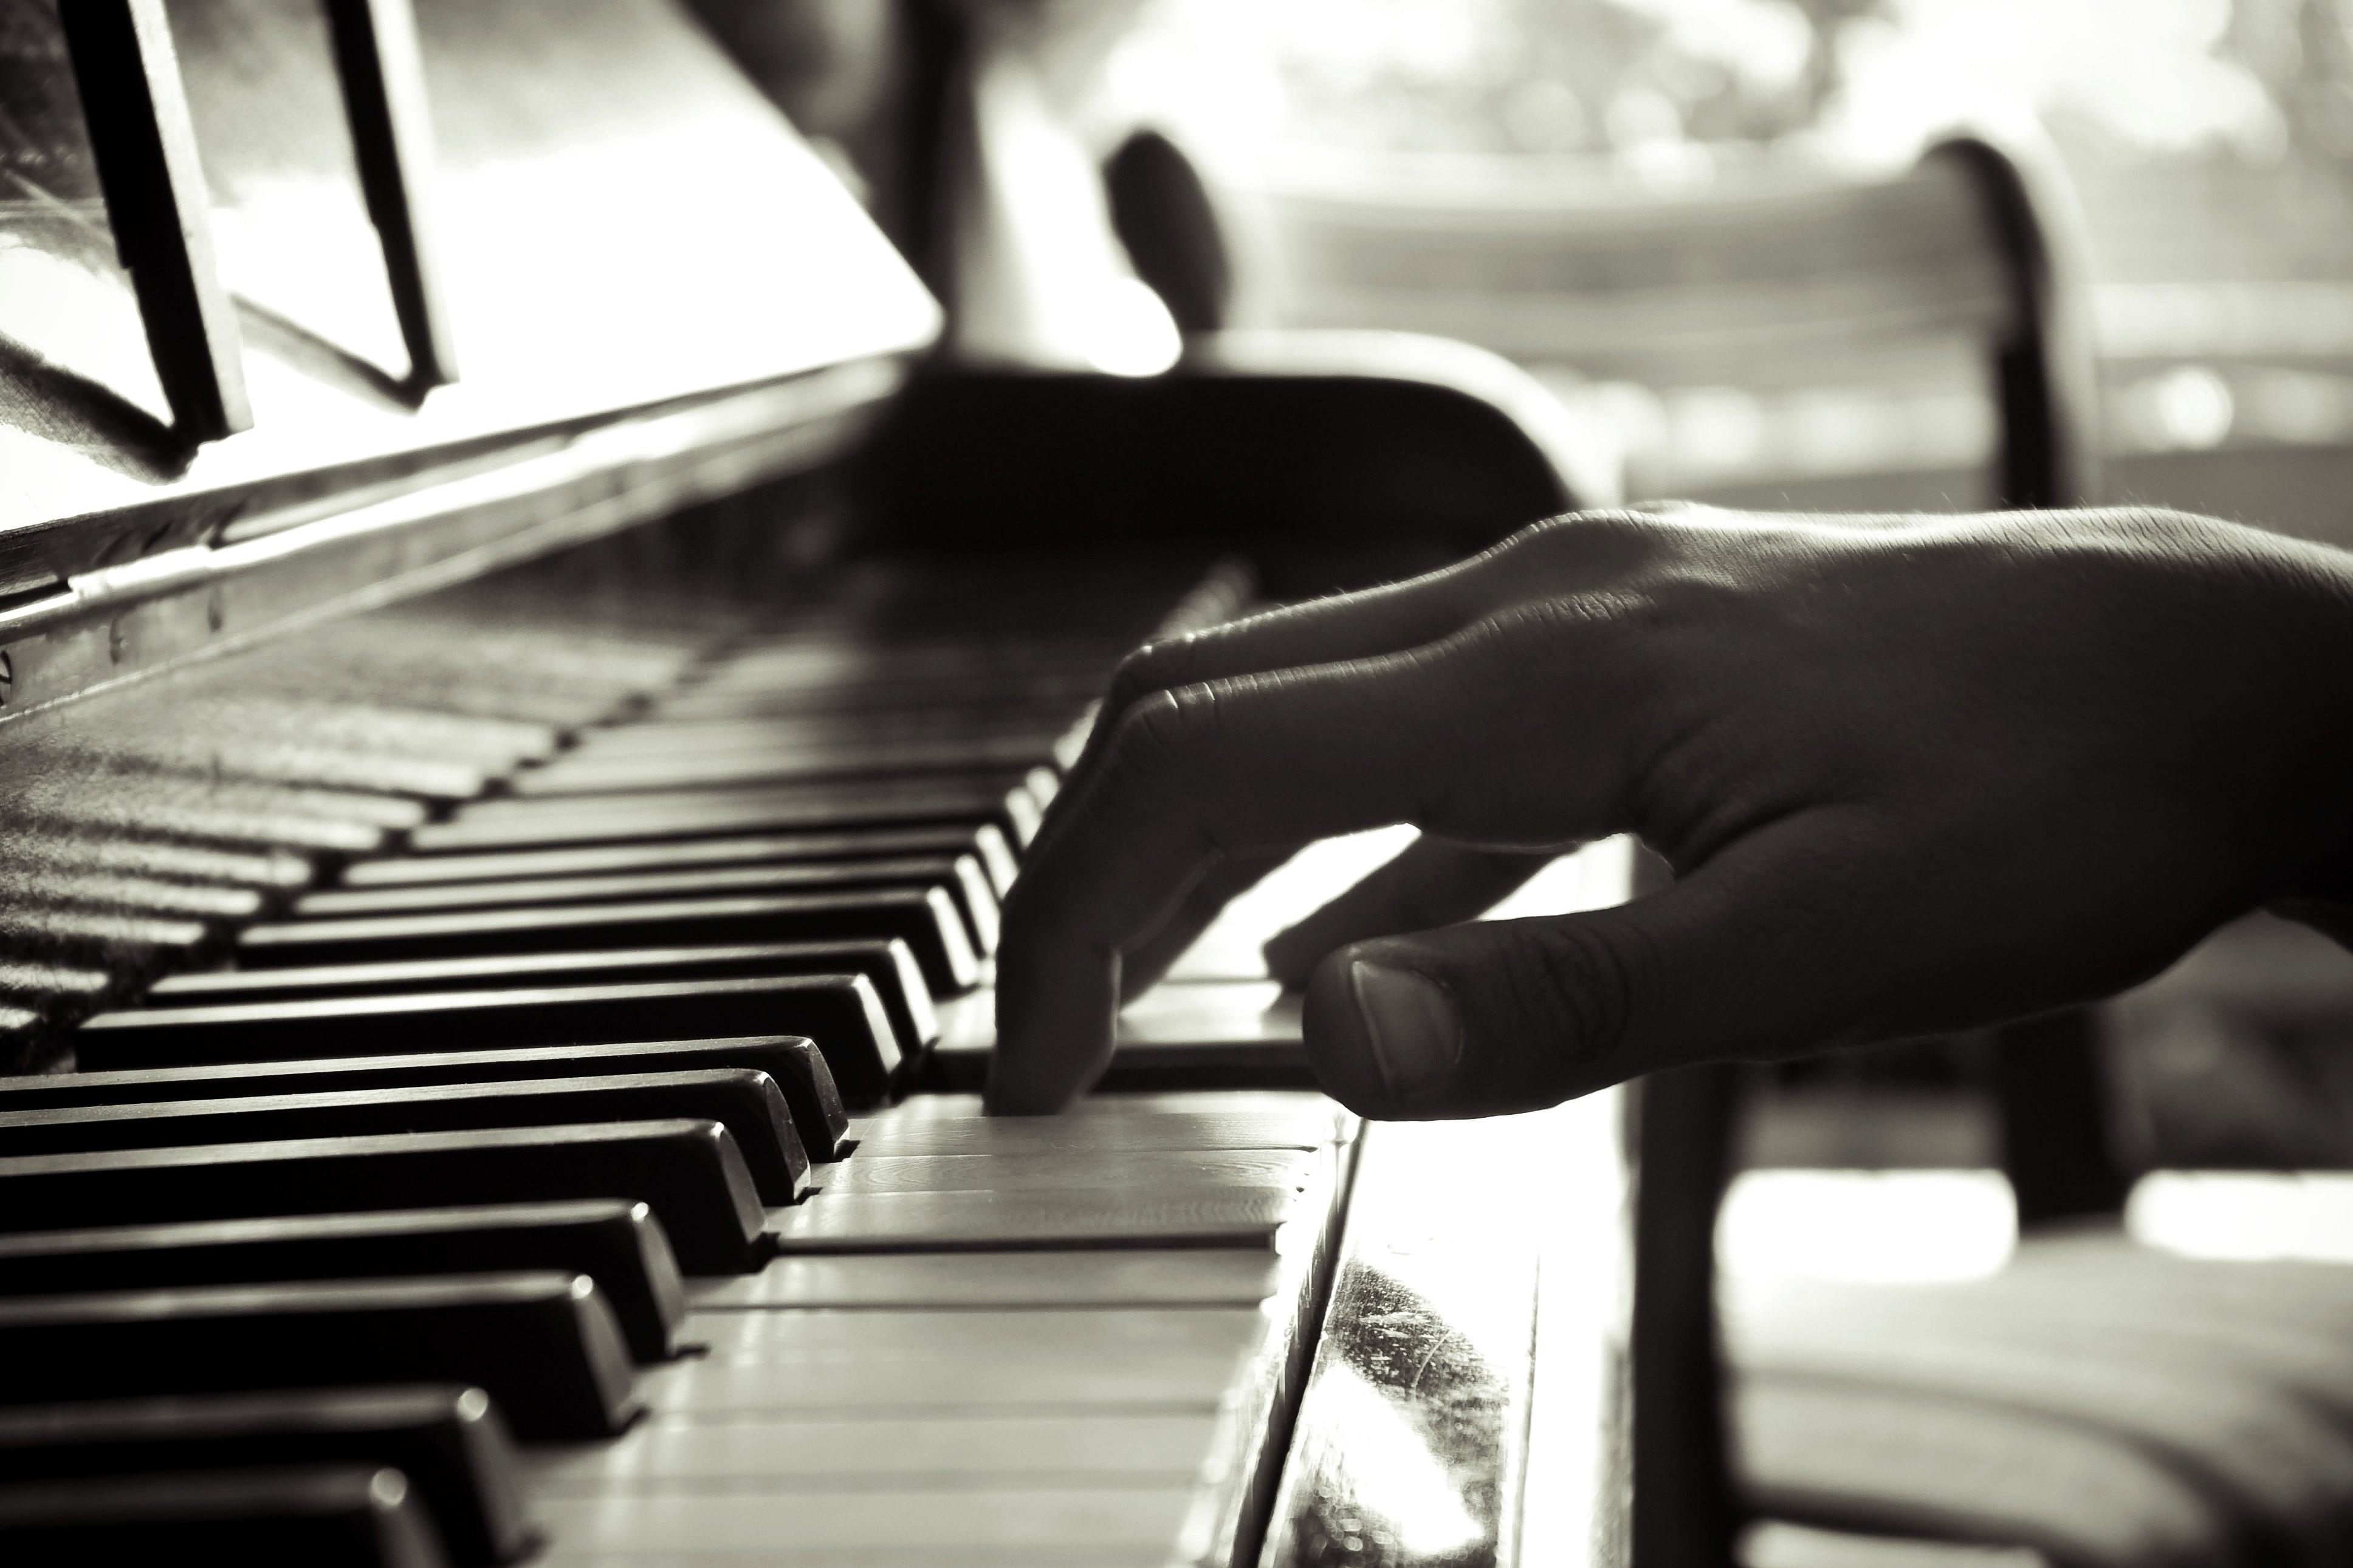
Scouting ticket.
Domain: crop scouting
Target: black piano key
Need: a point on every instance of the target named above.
(748, 1104)
(543, 1343)
(617, 1243)
(926, 920)
(343, 1516)
(960, 876)
(841, 1012)
(794, 1063)
(1011, 804)
(885, 961)
(687, 1172)
(450, 1441)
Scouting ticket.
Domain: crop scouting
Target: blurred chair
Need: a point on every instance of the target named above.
(2097, 1404)
(1771, 279)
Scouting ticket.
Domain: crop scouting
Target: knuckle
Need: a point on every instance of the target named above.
(1585, 538)
(1161, 731)
(1536, 631)
(1152, 668)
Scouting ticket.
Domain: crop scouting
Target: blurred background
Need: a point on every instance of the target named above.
(2210, 143)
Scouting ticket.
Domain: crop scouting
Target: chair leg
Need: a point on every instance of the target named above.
(2055, 1150)
(1685, 1515)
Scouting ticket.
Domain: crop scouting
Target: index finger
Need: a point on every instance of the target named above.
(1188, 776)
(1560, 553)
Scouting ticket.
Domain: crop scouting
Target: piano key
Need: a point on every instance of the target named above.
(830, 1452)
(615, 1242)
(926, 920)
(543, 1344)
(1158, 1170)
(885, 961)
(274, 869)
(1231, 1034)
(948, 694)
(827, 876)
(810, 655)
(883, 1527)
(1039, 726)
(907, 1130)
(687, 1172)
(841, 1012)
(449, 1442)
(1057, 1366)
(119, 941)
(1007, 802)
(578, 773)
(1234, 1216)
(794, 1063)
(749, 1105)
(601, 859)
(961, 876)
(339, 1516)
(143, 895)
(982, 1333)
(1195, 1277)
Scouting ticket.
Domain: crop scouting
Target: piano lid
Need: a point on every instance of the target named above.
(621, 231)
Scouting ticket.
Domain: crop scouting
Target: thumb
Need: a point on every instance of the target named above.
(1497, 1016)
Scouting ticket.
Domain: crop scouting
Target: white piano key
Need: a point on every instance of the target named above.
(888, 1132)
(1193, 1378)
(1121, 1277)
(827, 1453)
(1240, 1216)
(1063, 1525)
(1126, 1170)
(1221, 1014)
(1081, 1555)
(771, 1337)
(1308, 1105)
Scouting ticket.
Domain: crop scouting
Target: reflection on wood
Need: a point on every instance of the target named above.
(1414, 1435)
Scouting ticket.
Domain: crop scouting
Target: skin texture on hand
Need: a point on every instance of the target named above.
(1913, 775)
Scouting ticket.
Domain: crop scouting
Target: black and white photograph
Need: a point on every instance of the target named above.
(1176, 784)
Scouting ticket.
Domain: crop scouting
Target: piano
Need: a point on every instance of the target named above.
(535, 629)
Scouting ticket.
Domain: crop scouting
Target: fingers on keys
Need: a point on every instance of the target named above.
(1394, 721)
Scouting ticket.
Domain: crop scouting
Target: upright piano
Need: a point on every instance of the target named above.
(530, 650)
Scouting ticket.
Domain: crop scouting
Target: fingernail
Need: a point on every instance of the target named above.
(1415, 1034)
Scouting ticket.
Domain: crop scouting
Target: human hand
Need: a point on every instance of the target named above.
(1913, 775)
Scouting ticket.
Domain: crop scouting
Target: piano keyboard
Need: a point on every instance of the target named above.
(492, 1000)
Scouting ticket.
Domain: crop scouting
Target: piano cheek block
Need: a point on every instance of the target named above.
(544, 1345)
(687, 1172)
